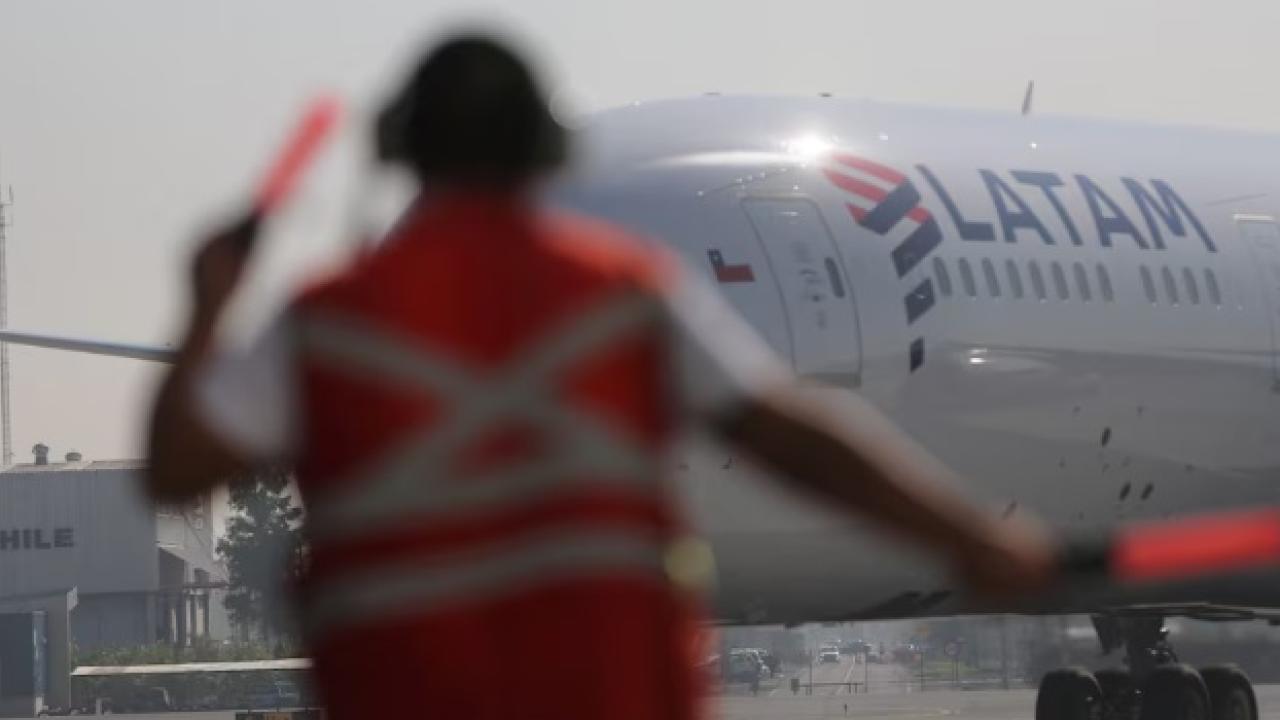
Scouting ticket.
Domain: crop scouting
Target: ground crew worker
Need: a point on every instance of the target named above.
(478, 411)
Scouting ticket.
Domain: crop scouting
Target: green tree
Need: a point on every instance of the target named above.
(264, 553)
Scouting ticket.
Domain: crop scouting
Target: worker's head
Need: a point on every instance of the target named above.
(471, 113)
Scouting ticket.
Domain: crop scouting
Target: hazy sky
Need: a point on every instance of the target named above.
(125, 126)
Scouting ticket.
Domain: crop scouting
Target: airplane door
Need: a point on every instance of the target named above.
(1262, 235)
(815, 288)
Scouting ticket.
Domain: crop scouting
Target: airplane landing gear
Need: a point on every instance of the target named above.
(1069, 694)
(1154, 686)
(1174, 692)
(1230, 693)
(1120, 697)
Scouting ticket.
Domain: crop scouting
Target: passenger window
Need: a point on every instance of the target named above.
(942, 276)
(1193, 291)
(1211, 286)
(1015, 278)
(1148, 285)
(1082, 282)
(993, 282)
(1170, 286)
(1104, 283)
(966, 278)
(1059, 280)
(1037, 280)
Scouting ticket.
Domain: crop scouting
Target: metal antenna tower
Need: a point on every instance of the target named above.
(6, 418)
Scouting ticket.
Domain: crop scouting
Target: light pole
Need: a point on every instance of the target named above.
(866, 670)
(1004, 651)
(810, 672)
(920, 651)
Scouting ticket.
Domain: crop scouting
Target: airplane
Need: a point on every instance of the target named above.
(1080, 317)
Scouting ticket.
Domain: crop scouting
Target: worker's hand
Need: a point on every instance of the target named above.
(1007, 558)
(219, 264)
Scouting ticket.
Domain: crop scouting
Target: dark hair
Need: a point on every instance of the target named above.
(471, 112)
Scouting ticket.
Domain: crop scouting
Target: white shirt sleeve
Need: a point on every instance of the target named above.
(721, 359)
(250, 398)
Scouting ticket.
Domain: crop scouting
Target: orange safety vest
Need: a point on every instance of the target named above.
(486, 402)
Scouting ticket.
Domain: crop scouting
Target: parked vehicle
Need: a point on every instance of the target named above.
(771, 662)
(277, 694)
(855, 647)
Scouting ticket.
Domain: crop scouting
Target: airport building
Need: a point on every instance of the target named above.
(87, 560)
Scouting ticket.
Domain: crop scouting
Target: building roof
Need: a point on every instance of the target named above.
(20, 597)
(176, 668)
(83, 465)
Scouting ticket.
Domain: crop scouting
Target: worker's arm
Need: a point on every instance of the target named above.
(851, 457)
(185, 457)
(860, 462)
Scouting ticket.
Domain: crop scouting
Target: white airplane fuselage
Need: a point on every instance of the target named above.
(1079, 317)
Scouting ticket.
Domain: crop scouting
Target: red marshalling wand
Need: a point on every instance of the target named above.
(1170, 550)
(314, 126)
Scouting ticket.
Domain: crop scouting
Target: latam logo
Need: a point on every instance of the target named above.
(882, 199)
(886, 202)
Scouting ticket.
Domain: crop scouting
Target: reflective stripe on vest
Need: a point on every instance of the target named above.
(477, 574)
(410, 483)
(410, 480)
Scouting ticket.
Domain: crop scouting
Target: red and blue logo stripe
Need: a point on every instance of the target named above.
(882, 200)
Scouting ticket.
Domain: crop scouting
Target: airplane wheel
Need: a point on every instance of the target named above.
(1175, 692)
(1069, 694)
(1120, 698)
(1231, 694)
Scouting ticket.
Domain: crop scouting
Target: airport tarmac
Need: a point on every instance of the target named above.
(951, 704)
(879, 677)
(914, 705)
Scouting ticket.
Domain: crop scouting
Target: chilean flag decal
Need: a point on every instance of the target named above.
(730, 273)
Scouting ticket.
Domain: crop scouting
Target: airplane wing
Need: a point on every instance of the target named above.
(316, 123)
(151, 353)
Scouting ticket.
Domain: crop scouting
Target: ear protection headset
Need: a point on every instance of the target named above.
(523, 137)
(391, 129)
